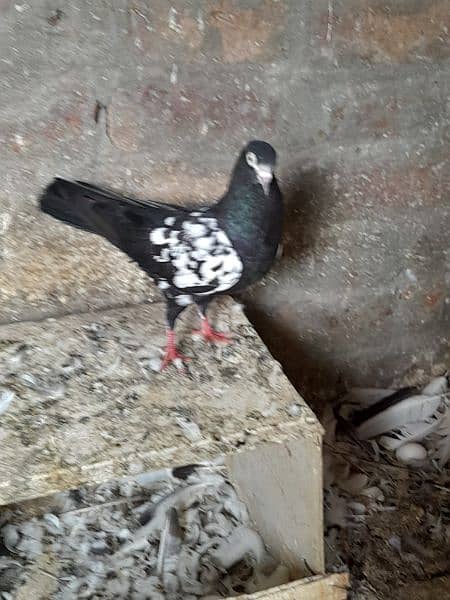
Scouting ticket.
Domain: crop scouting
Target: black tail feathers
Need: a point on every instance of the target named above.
(66, 201)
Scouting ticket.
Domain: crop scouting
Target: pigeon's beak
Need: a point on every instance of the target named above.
(264, 173)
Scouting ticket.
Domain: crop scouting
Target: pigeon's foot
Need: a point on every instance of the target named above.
(208, 334)
(172, 356)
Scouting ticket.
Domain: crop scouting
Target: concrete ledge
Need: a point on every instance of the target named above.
(88, 407)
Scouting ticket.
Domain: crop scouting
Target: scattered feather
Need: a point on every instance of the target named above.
(410, 410)
(242, 542)
(438, 385)
(6, 397)
(10, 537)
(363, 397)
(169, 544)
(374, 493)
(190, 429)
(355, 483)
(382, 405)
(409, 433)
(196, 526)
(181, 498)
(440, 442)
(52, 523)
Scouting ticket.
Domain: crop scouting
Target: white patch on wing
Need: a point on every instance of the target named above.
(210, 222)
(163, 284)
(222, 238)
(209, 267)
(194, 230)
(163, 256)
(158, 236)
(204, 243)
(201, 254)
(183, 300)
(185, 278)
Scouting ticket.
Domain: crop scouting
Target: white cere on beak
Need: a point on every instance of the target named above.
(251, 159)
(264, 173)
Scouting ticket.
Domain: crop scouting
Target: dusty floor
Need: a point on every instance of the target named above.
(393, 530)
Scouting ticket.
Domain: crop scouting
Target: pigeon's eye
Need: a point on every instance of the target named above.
(251, 159)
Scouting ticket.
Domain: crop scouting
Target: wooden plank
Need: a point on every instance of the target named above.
(87, 407)
(281, 484)
(321, 587)
(42, 582)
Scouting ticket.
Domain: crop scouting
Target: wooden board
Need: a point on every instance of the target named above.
(43, 583)
(281, 484)
(321, 587)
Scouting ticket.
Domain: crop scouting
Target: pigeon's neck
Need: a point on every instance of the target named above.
(246, 212)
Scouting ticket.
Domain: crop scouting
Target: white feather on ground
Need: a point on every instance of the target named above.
(370, 501)
(440, 441)
(423, 417)
(6, 397)
(415, 409)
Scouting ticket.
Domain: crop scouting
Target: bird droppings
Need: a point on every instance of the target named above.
(190, 429)
(174, 74)
(153, 536)
(173, 25)
(55, 17)
(294, 409)
(6, 397)
(89, 395)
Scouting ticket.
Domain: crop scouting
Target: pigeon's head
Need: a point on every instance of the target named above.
(260, 158)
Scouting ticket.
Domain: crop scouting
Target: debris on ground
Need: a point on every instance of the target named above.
(400, 419)
(387, 509)
(174, 534)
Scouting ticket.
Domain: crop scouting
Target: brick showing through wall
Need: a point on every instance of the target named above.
(157, 99)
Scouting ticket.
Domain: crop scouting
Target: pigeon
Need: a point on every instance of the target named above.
(193, 255)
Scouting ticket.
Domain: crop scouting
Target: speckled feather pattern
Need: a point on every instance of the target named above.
(200, 253)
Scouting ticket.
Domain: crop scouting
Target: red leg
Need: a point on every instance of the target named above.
(172, 355)
(210, 335)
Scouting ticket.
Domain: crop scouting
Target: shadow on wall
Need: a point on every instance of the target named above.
(307, 202)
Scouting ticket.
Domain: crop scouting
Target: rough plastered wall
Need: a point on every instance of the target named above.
(156, 98)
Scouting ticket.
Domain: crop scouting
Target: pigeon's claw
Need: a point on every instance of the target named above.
(171, 355)
(209, 335)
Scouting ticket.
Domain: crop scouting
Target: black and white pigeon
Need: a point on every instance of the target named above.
(193, 255)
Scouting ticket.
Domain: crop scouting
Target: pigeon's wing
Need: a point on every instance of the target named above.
(192, 255)
(186, 252)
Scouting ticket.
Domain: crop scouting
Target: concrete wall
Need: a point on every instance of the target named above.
(156, 98)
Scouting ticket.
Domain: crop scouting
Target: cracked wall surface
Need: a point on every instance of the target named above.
(157, 99)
